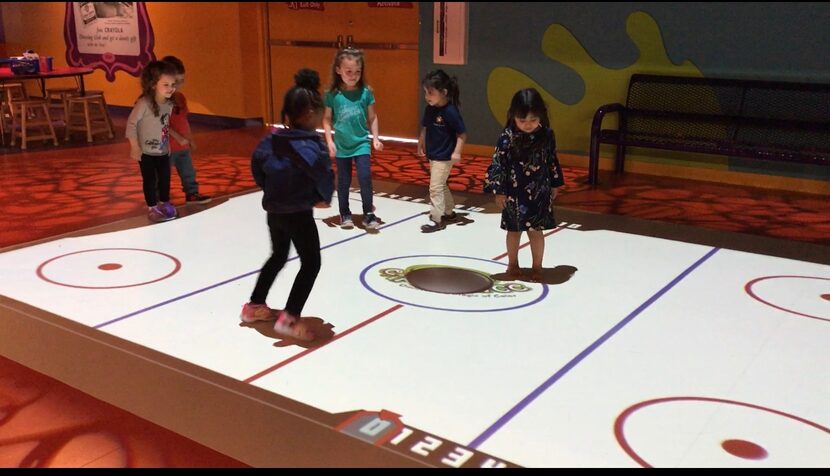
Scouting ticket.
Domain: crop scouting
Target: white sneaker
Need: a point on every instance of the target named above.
(346, 223)
(292, 326)
(370, 221)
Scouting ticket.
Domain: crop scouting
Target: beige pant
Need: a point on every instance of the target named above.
(439, 193)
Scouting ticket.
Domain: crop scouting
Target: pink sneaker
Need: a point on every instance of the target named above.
(292, 326)
(257, 312)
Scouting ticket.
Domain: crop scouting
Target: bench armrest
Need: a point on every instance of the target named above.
(596, 128)
(596, 125)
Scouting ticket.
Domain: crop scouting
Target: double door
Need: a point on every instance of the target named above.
(309, 38)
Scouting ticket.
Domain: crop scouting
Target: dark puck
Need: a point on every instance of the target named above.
(447, 279)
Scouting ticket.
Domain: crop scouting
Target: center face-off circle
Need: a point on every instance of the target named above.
(108, 268)
(390, 279)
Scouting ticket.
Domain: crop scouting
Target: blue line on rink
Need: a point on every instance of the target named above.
(222, 283)
(582, 355)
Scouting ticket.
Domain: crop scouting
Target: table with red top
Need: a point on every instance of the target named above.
(65, 72)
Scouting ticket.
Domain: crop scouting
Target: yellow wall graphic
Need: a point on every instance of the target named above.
(572, 123)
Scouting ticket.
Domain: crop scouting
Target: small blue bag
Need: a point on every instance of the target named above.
(25, 66)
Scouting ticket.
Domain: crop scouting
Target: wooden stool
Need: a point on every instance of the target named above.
(13, 92)
(88, 114)
(59, 97)
(9, 92)
(31, 113)
(103, 98)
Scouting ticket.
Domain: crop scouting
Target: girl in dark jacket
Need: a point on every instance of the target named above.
(293, 169)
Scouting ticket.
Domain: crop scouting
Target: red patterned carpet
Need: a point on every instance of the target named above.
(792, 216)
(47, 191)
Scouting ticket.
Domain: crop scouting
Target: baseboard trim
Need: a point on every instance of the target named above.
(776, 182)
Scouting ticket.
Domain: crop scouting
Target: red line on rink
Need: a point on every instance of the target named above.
(356, 327)
(528, 243)
(308, 351)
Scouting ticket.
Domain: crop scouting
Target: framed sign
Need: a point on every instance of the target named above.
(449, 38)
(110, 36)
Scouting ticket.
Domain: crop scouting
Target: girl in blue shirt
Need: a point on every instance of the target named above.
(442, 137)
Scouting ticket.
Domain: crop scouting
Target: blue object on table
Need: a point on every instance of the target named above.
(25, 66)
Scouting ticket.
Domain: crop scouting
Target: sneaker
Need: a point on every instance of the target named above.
(257, 312)
(168, 209)
(197, 198)
(449, 218)
(292, 326)
(346, 223)
(371, 221)
(432, 227)
(154, 214)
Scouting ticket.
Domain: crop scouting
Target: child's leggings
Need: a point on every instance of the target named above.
(155, 175)
(286, 228)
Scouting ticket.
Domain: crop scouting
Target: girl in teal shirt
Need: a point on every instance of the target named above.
(350, 112)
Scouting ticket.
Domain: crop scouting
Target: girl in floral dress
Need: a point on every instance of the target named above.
(525, 176)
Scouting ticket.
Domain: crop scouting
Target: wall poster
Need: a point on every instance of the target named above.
(110, 36)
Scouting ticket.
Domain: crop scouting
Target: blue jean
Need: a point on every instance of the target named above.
(344, 181)
(184, 165)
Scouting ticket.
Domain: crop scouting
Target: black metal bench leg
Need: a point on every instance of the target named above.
(619, 160)
(593, 162)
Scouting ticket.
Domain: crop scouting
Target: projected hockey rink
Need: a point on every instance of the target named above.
(634, 351)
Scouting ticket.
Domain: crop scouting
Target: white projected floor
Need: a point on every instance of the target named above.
(653, 353)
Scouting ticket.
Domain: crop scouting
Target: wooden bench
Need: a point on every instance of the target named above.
(770, 120)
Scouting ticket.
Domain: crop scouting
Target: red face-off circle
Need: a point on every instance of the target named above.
(125, 267)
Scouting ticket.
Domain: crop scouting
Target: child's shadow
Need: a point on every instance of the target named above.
(462, 219)
(557, 275)
(334, 222)
(323, 332)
